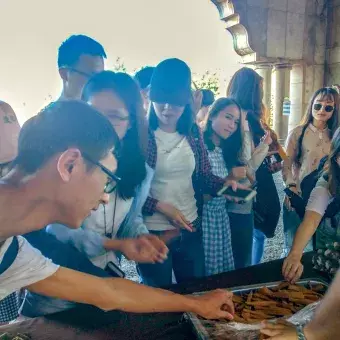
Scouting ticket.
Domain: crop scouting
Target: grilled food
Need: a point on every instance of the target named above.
(270, 303)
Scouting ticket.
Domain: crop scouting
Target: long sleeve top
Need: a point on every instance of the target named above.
(315, 145)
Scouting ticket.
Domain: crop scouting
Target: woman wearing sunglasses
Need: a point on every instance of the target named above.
(306, 145)
(325, 322)
(325, 194)
(116, 227)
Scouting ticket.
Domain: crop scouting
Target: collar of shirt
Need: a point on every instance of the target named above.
(314, 129)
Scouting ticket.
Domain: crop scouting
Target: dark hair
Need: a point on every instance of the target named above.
(232, 146)
(185, 122)
(208, 97)
(333, 167)
(143, 76)
(245, 87)
(332, 123)
(60, 126)
(73, 47)
(132, 155)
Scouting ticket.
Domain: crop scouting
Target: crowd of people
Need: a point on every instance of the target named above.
(150, 167)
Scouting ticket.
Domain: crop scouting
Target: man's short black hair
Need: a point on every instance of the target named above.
(208, 97)
(76, 45)
(143, 77)
(60, 126)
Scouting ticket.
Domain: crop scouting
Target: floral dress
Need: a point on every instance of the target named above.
(215, 224)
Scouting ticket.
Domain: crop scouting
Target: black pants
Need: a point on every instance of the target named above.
(242, 232)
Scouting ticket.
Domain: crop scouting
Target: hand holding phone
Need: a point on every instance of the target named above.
(267, 139)
(239, 172)
(239, 193)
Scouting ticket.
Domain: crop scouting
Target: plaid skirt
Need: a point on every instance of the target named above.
(218, 251)
(9, 308)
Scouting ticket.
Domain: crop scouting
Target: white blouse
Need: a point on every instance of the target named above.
(107, 224)
(172, 182)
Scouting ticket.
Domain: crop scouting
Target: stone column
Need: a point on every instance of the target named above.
(265, 71)
(296, 96)
(278, 88)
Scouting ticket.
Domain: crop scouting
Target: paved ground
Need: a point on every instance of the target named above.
(273, 248)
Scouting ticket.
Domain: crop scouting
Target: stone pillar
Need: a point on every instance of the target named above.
(296, 96)
(265, 71)
(278, 88)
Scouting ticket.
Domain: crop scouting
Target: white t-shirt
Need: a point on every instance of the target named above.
(320, 197)
(172, 182)
(97, 220)
(29, 267)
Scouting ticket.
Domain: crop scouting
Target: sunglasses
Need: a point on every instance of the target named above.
(327, 108)
(112, 180)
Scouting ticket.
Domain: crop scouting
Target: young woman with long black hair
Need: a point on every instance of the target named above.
(326, 191)
(246, 88)
(118, 227)
(182, 175)
(306, 145)
(223, 139)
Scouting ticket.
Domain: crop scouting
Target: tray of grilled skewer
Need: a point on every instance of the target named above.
(255, 303)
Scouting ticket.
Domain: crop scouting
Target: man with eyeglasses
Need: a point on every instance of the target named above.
(65, 166)
(79, 58)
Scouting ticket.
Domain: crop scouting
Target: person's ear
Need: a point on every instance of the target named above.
(68, 163)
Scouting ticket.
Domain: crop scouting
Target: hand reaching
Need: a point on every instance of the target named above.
(175, 217)
(145, 249)
(292, 267)
(217, 304)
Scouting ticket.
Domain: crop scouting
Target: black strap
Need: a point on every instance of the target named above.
(314, 242)
(10, 255)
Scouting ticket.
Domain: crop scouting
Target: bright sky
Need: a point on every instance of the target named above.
(140, 32)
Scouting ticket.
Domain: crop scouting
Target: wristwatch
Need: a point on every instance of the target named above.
(300, 333)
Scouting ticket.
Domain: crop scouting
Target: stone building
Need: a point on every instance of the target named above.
(293, 44)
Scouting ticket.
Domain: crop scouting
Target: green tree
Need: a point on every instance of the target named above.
(207, 80)
(119, 66)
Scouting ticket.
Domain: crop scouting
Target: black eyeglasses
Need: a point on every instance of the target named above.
(82, 73)
(112, 181)
(328, 108)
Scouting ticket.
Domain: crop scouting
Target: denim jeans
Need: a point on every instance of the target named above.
(185, 258)
(242, 232)
(258, 246)
(291, 223)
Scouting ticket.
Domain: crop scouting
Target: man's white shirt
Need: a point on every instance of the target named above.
(29, 267)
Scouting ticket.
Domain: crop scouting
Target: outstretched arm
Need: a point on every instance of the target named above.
(125, 295)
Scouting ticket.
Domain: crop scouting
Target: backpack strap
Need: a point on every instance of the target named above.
(10, 255)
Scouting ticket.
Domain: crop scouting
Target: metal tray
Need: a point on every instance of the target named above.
(202, 331)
